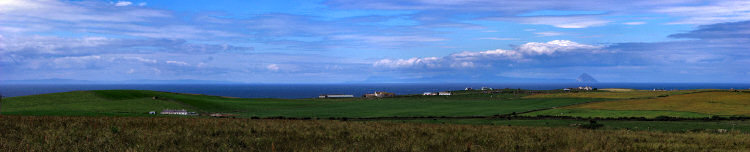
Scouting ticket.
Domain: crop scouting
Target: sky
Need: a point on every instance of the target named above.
(376, 41)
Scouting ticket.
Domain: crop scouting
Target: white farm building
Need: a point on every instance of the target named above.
(336, 96)
(174, 112)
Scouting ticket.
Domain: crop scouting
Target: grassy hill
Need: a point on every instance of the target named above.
(85, 103)
(139, 102)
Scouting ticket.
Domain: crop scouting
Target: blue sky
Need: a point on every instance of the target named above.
(340, 41)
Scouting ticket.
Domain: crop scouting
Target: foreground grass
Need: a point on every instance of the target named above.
(713, 103)
(29, 133)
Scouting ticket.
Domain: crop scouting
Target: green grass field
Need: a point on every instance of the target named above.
(84, 103)
(137, 102)
(467, 103)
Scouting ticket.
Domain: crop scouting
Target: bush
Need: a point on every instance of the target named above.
(114, 129)
(664, 118)
(592, 125)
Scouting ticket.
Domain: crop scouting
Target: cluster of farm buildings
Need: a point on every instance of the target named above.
(586, 88)
(380, 94)
(376, 94)
(188, 113)
(174, 112)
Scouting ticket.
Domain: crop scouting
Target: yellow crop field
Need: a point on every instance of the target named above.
(612, 94)
(715, 103)
(617, 89)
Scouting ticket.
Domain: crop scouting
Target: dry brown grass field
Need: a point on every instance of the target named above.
(618, 89)
(714, 103)
(617, 94)
(48, 133)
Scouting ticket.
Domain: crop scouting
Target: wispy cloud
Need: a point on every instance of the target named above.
(709, 13)
(634, 23)
(563, 21)
(497, 38)
(123, 3)
(545, 34)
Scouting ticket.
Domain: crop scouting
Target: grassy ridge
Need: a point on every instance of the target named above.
(28, 133)
(82, 103)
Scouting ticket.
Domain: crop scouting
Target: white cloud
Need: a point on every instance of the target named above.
(180, 63)
(76, 61)
(273, 67)
(78, 58)
(142, 4)
(564, 21)
(388, 39)
(131, 71)
(140, 59)
(2, 43)
(123, 3)
(721, 11)
(429, 62)
(468, 59)
(75, 16)
(548, 48)
(12, 5)
(507, 54)
(634, 23)
(544, 34)
(465, 64)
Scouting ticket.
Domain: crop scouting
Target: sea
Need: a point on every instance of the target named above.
(296, 91)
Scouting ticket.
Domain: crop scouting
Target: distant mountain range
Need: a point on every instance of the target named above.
(142, 81)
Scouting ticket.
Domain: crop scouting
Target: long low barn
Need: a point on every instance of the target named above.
(336, 96)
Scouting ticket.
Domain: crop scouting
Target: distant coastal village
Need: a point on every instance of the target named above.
(383, 94)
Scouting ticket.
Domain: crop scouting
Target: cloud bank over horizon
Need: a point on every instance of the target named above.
(335, 41)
